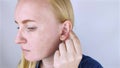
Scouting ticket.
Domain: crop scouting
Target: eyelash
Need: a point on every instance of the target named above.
(29, 28)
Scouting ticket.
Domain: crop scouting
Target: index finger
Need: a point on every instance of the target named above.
(76, 42)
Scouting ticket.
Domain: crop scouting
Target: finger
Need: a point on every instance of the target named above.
(62, 49)
(70, 46)
(76, 42)
(56, 56)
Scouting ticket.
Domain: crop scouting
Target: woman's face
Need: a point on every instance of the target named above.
(39, 30)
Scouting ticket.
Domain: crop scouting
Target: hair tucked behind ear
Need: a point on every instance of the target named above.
(63, 11)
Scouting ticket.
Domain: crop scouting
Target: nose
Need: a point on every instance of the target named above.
(20, 39)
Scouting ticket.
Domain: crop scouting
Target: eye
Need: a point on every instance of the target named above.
(31, 28)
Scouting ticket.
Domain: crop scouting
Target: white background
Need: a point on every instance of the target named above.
(0, 35)
(97, 24)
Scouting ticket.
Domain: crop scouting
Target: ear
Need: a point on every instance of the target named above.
(66, 28)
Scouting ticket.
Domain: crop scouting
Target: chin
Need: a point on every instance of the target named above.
(32, 58)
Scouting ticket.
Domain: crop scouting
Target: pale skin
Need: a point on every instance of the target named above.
(43, 37)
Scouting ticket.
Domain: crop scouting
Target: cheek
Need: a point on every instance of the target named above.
(43, 46)
(43, 43)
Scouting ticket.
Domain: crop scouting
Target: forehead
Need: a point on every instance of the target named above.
(34, 2)
(34, 5)
(32, 9)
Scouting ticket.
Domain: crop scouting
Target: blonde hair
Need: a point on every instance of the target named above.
(63, 11)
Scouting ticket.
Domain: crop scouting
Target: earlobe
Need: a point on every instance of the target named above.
(66, 28)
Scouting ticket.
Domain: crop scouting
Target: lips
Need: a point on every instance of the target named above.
(25, 50)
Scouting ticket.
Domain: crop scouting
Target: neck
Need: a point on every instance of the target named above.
(48, 62)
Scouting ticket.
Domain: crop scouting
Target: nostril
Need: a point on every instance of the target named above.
(20, 40)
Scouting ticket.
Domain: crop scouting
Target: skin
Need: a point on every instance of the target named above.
(40, 35)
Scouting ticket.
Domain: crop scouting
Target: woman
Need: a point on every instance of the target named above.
(46, 37)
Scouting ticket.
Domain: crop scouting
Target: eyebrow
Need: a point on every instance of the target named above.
(25, 21)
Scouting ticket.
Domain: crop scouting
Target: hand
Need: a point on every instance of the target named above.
(69, 54)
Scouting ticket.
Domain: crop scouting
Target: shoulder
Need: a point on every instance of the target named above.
(88, 62)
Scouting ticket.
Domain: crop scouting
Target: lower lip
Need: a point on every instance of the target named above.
(25, 51)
